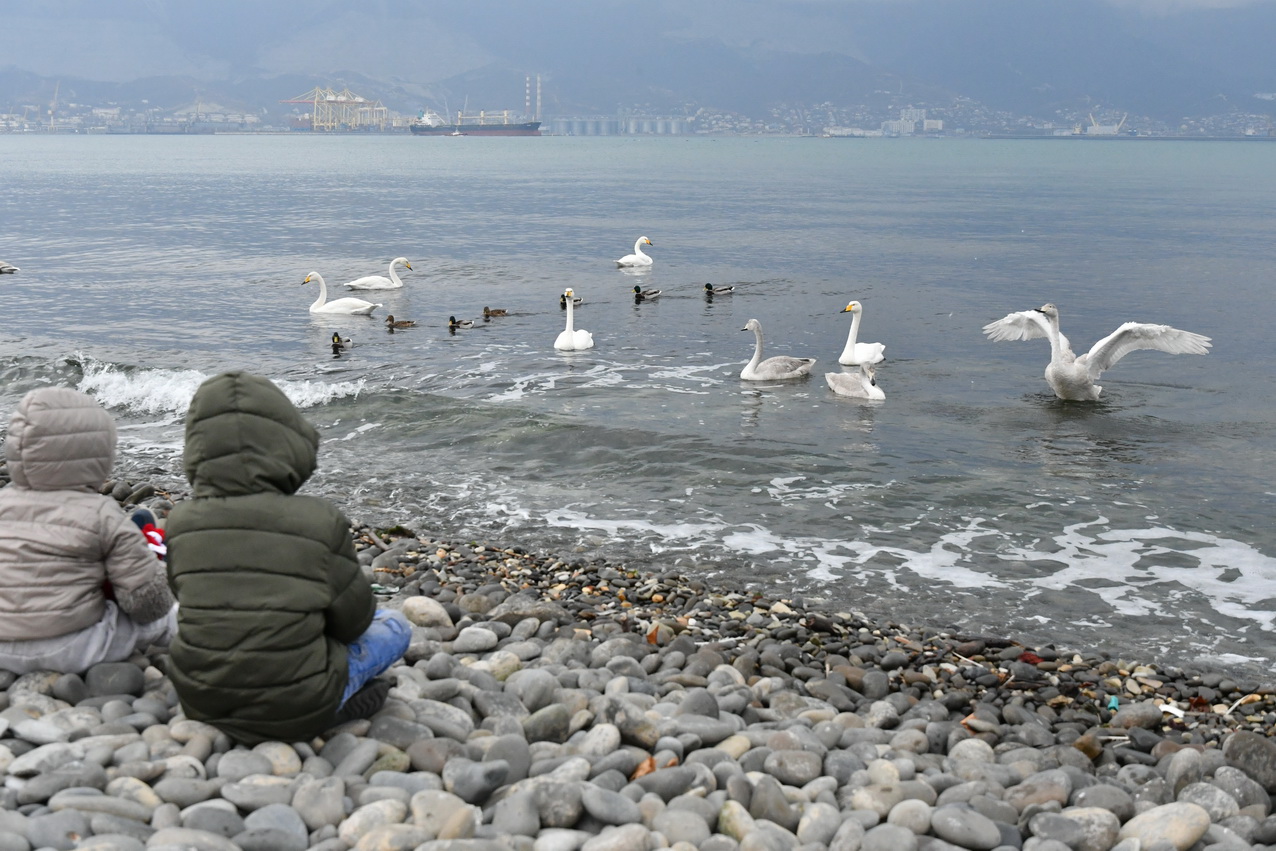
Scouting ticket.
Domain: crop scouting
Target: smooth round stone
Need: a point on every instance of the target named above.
(184, 791)
(366, 818)
(473, 782)
(115, 678)
(534, 687)
(1053, 785)
(1214, 800)
(426, 611)
(53, 829)
(278, 817)
(284, 760)
(668, 783)
(258, 791)
(475, 639)
(517, 814)
(608, 807)
(100, 842)
(1098, 827)
(548, 724)
(197, 840)
(213, 819)
(402, 733)
(1182, 825)
(73, 799)
(911, 814)
(769, 802)
(819, 823)
(394, 837)
(734, 820)
(975, 750)
(965, 828)
(888, 837)
(1107, 797)
(269, 839)
(514, 751)
(559, 802)
(630, 837)
(434, 808)
(238, 764)
(681, 826)
(793, 767)
(1253, 754)
(358, 759)
(1142, 714)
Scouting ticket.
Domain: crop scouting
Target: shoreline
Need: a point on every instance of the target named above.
(546, 704)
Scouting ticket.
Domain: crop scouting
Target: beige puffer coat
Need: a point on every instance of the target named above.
(59, 538)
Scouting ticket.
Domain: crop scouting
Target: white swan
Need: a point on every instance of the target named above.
(856, 353)
(571, 340)
(8, 268)
(860, 384)
(381, 282)
(341, 305)
(777, 367)
(637, 258)
(1072, 377)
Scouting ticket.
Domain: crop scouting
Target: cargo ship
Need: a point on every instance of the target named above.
(430, 123)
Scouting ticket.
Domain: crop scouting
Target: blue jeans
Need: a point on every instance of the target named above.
(380, 646)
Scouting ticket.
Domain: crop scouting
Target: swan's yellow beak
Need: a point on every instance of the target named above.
(409, 265)
(307, 280)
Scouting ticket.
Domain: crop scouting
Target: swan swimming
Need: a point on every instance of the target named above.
(356, 306)
(710, 290)
(571, 340)
(860, 384)
(856, 353)
(637, 258)
(1072, 377)
(642, 295)
(381, 282)
(777, 367)
(392, 323)
(8, 268)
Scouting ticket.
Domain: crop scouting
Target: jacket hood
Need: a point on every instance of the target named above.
(243, 436)
(60, 439)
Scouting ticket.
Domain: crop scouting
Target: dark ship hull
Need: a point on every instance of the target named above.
(525, 128)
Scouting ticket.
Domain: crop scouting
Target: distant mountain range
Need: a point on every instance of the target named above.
(598, 57)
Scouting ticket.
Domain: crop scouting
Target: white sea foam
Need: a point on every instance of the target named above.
(168, 392)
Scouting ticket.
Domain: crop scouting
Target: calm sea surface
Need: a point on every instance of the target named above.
(970, 498)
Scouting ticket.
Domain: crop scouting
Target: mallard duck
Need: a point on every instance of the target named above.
(710, 290)
(392, 323)
(488, 312)
(642, 295)
(1072, 377)
(341, 344)
(777, 367)
(355, 306)
(562, 301)
(454, 323)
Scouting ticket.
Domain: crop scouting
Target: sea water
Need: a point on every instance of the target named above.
(970, 500)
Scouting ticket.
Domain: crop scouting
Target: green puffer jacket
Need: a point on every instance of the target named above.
(270, 590)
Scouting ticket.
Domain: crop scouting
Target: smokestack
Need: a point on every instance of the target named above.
(538, 97)
(527, 98)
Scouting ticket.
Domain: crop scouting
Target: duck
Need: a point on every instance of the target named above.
(860, 384)
(572, 339)
(855, 352)
(642, 295)
(489, 312)
(392, 323)
(562, 301)
(348, 305)
(454, 323)
(381, 282)
(1072, 377)
(710, 290)
(341, 344)
(637, 258)
(781, 366)
(8, 268)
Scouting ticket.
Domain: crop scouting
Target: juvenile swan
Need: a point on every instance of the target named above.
(341, 305)
(855, 352)
(1072, 377)
(381, 282)
(637, 258)
(860, 384)
(570, 339)
(777, 367)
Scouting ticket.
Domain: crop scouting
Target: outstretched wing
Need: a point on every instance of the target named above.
(1024, 325)
(1140, 335)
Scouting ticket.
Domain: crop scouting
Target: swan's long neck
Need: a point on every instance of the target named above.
(757, 348)
(638, 248)
(569, 315)
(855, 330)
(394, 277)
(1059, 348)
(323, 291)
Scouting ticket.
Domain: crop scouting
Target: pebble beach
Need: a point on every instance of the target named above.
(548, 704)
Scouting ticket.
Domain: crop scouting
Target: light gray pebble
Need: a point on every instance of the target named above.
(886, 837)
